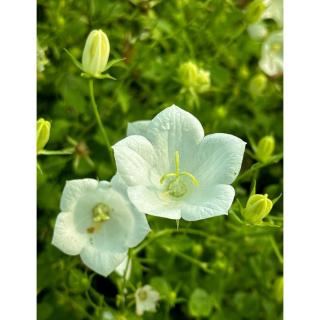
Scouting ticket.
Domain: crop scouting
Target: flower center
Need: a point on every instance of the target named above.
(175, 186)
(143, 295)
(100, 213)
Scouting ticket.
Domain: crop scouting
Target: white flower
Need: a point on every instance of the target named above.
(146, 299)
(173, 171)
(99, 223)
(274, 11)
(271, 61)
(257, 30)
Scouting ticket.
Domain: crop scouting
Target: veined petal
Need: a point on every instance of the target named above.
(174, 129)
(218, 160)
(102, 262)
(153, 202)
(141, 227)
(66, 237)
(206, 204)
(136, 160)
(74, 190)
(138, 127)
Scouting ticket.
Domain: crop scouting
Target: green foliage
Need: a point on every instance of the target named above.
(223, 269)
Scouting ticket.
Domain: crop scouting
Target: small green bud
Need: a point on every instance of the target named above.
(257, 208)
(193, 77)
(96, 53)
(43, 133)
(258, 84)
(265, 148)
(254, 11)
(244, 72)
(78, 280)
(172, 296)
(197, 250)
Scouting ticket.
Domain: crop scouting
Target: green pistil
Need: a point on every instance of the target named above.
(176, 187)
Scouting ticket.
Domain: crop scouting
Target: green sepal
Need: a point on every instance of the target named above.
(112, 63)
(74, 60)
(253, 190)
(274, 201)
(101, 76)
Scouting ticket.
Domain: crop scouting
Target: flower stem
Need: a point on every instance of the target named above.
(103, 131)
(124, 281)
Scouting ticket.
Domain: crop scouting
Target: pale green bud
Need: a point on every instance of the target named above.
(257, 208)
(254, 11)
(265, 148)
(258, 84)
(194, 78)
(96, 53)
(43, 133)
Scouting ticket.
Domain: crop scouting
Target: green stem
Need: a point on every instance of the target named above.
(103, 131)
(56, 152)
(276, 249)
(124, 281)
(181, 231)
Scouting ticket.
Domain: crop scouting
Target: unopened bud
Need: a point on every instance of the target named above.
(257, 208)
(254, 11)
(96, 53)
(43, 133)
(258, 84)
(265, 148)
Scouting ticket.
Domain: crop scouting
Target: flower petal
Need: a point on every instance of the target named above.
(102, 262)
(141, 227)
(218, 160)
(65, 235)
(74, 190)
(138, 127)
(153, 202)
(136, 160)
(214, 202)
(173, 130)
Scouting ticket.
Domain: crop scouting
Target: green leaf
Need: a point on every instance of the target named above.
(200, 303)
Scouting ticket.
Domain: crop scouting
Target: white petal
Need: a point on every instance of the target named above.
(136, 160)
(218, 160)
(113, 234)
(121, 268)
(74, 190)
(65, 235)
(154, 202)
(102, 262)
(173, 130)
(213, 202)
(141, 227)
(138, 128)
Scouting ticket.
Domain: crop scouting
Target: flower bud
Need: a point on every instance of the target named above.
(265, 149)
(278, 289)
(257, 208)
(96, 53)
(254, 11)
(193, 77)
(43, 133)
(258, 84)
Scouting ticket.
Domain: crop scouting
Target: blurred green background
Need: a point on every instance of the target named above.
(156, 38)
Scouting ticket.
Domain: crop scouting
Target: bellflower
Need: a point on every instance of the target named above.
(99, 223)
(271, 61)
(172, 170)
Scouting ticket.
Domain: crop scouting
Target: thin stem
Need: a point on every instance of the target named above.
(276, 249)
(96, 112)
(124, 281)
(56, 152)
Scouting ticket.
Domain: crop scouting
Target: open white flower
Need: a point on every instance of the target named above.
(99, 223)
(173, 171)
(271, 61)
(146, 299)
